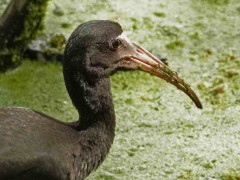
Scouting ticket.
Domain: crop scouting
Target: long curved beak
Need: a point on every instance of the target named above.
(139, 58)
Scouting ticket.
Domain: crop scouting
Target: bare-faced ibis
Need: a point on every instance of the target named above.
(34, 146)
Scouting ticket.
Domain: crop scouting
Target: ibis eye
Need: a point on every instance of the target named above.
(116, 43)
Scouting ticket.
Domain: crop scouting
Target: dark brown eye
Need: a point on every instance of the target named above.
(116, 43)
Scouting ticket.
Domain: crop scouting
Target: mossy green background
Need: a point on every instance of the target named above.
(160, 134)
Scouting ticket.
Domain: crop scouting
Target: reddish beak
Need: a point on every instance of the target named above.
(141, 59)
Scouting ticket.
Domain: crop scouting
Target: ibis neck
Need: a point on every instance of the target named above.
(96, 106)
(94, 102)
(96, 125)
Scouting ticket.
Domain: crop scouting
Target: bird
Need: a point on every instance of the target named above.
(35, 146)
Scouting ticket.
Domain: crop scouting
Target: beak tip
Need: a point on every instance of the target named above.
(200, 106)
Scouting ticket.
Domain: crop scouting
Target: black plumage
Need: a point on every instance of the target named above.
(34, 146)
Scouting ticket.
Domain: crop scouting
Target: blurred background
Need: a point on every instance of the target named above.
(160, 133)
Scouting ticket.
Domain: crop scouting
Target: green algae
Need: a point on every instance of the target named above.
(160, 134)
(36, 85)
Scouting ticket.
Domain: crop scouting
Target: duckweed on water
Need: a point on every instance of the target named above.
(160, 133)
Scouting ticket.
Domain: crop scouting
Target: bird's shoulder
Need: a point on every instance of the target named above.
(25, 115)
(28, 123)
